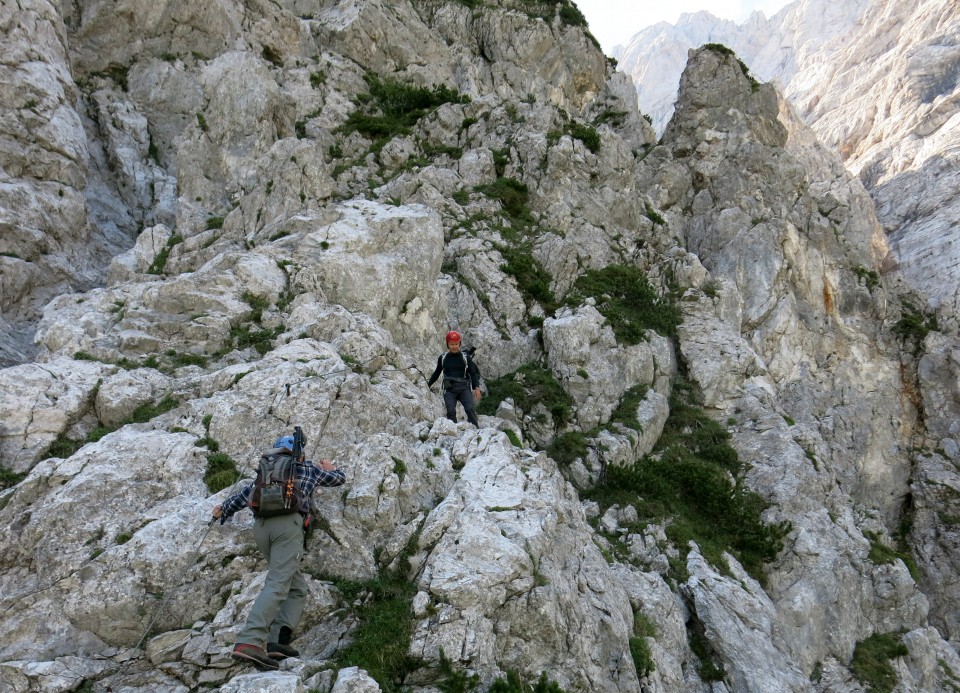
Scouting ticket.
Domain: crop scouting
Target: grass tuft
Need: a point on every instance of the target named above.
(871, 661)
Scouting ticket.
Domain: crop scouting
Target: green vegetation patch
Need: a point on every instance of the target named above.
(626, 299)
(869, 277)
(514, 684)
(643, 628)
(513, 195)
(871, 661)
(709, 670)
(527, 386)
(533, 281)
(9, 478)
(64, 447)
(380, 643)
(626, 411)
(585, 133)
(252, 333)
(160, 261)
(392, 107)
(567, 447)
(221, 472)
(692, 480)
(724, 50)
(148, 411)
(881, 554)
(914, 326)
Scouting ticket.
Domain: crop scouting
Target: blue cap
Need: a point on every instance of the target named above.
(284, 442)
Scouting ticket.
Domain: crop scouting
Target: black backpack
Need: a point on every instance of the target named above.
(275, 490)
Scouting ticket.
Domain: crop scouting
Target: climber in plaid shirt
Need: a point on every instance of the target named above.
(265, 638)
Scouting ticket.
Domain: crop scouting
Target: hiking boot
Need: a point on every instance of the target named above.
(285, 635)
(280, 651)
(242, 652)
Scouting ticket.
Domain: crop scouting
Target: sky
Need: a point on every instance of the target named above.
(614, 22)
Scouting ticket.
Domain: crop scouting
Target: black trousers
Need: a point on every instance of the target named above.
(463, 394)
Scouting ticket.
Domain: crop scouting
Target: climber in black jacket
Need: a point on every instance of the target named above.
(461, 379)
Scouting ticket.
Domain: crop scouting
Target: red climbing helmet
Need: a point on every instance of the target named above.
(453, 337)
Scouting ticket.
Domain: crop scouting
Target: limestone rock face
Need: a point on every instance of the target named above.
(505, 506)
(270, 216)
(876, 83)
(59, 393)
(47, 245)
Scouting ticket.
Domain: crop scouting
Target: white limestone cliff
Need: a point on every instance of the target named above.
(876, 81)
(290, 270)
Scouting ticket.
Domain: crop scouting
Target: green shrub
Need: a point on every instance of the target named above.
(692, 479)
(455, 680)
(527, 386)
(182, 359)
(614, 118)
(653, 215)
(914, 326)
(567, 447)
(586, 134)
(258, 304)
(642, 659)
(871, 661)
(160, 261)
(708, 670)
(243, 336)
(63, 447)
(10, 478)
(514, 684)
(719, 48)
(221, 472)
(148, 411)
(381, 607)
(881, 554)
(513, 195)
(626, 299)
(211, 444)
(626, 411)
(391, 107)
(533, 281)
(723, 50)
(869, 277)
(97, 433)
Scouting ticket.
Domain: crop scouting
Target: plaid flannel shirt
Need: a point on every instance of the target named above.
(307, 476)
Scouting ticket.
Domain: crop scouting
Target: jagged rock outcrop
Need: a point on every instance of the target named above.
(300, 255)
(47, 245)
(876, 81)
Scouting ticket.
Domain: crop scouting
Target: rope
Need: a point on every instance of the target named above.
(168, 592)
(163, 604)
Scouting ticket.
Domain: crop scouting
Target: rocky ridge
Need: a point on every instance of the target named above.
(294, 265)
(876, 81)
